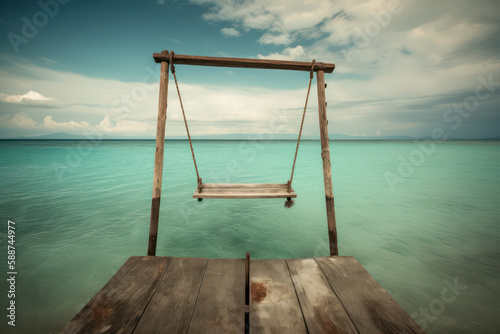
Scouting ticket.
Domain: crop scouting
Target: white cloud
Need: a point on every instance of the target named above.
(49, 123)
(296, 53)
(279, 17)
(230, 32)
(386, 79)
(109, 106)
(282, 39)
(17, 121)
(390, 55)
(30, 98)
(106, 126)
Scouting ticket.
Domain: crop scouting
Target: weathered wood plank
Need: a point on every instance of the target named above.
(171, 308)
(327, 168)
(221, 302)
(158, 167)
(119, 305)
(244, 62)
(274, 305)
(370, 307)
(322, 310)
(245, 190)
(244, 185)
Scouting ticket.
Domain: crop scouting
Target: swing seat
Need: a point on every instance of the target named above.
(244, 190)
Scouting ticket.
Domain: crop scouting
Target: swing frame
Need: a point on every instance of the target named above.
(211, 190)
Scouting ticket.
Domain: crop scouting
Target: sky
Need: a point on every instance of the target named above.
(418, 68)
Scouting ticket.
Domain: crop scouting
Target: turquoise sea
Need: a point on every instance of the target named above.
(423, 219)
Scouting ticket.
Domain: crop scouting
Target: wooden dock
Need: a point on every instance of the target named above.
(152, 294)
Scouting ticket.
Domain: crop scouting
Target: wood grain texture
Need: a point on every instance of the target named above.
(244, 185)
(327, 168)
(370, 307)
(274, 305)
(158, 167)
(193, 295)
(322, 310)
(244, 62)
(221, 302)
(119, 305)
(171, 308)
(244, 190)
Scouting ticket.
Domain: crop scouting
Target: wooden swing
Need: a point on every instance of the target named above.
(210, 190)
(243, 190)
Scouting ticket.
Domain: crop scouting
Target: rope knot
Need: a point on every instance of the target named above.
(171, 61)
(311, 74)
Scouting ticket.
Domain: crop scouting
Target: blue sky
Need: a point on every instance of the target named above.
(403, 67)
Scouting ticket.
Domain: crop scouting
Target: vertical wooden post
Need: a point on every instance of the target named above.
(160, 143)
(327, 168)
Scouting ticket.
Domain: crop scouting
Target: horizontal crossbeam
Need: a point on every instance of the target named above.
(243, 62)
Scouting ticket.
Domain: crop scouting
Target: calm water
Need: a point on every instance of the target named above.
(82, 209)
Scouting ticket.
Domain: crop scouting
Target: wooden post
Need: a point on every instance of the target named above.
(160, 143)
(327, 168)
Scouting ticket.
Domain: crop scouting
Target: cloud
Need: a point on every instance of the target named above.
(49, 123)
(230, 32)
(130, 108)
(30, 98)
(282, 39)
(17, 121)
(22, 121)
(278, 17)
(398, 63)
(398, 69)
(48, 61)
(289, 53)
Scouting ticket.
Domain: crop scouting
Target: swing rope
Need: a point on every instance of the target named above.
(289, 203)
(172, 69)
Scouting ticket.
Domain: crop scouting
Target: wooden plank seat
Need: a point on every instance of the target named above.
(244, 190)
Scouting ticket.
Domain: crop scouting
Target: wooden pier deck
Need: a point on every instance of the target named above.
(152, 294)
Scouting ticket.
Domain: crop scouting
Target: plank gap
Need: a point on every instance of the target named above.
(197, 296)
(297, 296)
(152, 295)
(341, 302)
